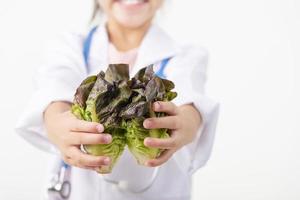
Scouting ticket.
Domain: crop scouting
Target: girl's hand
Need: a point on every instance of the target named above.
(183, 122)
(68, 133)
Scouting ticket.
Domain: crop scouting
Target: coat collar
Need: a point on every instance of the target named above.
(98, 57)
(155, 47)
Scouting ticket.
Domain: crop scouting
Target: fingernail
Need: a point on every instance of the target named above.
(106, 161)
(147, 123)
(107, 138)
(147, 141)
(100, 128)
(157, 105)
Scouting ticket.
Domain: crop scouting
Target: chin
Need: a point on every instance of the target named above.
(132, 22)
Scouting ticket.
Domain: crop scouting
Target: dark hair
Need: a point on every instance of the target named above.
(96, 9)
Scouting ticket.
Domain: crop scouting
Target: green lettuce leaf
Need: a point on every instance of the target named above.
(112, 150)
(135, 137)
(81, 95)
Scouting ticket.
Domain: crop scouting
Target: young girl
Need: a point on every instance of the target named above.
(127, 36)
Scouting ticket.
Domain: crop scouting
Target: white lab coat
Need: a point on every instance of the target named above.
(63, 71)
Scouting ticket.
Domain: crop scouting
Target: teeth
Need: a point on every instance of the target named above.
(132, 2)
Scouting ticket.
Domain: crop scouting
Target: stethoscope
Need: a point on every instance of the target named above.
(124, 186)
(60, 186)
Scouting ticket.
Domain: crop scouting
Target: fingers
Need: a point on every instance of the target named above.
(166, 143)
(164, 157)
(84, 126)
(165, 106)
(77, 158)
(169, 122)
(77, 138)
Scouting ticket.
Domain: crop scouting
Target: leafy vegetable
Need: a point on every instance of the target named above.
(121, 105)
(147, 88)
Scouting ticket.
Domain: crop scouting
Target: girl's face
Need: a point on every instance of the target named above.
(130, 13)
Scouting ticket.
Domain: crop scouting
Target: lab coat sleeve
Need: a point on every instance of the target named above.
(190, 78)
(55, 80)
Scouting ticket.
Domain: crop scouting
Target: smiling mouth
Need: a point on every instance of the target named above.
(132, 2)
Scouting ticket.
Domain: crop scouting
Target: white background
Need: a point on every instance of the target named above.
(254, 72)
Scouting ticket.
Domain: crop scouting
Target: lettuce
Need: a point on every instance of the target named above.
(121, 105)
(147, 88)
